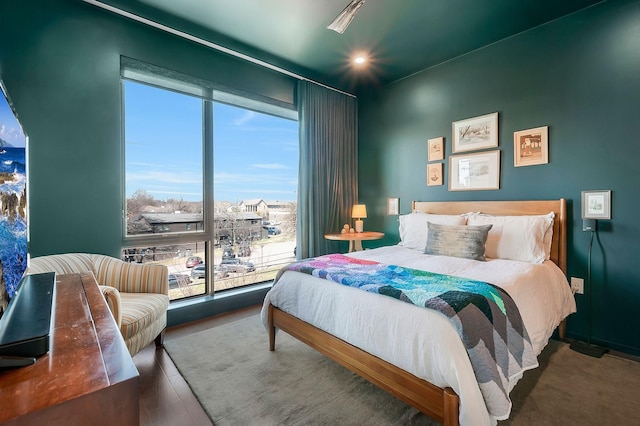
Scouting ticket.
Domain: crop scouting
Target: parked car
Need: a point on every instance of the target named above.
(200, 271)
(272, 230)
(236, 265)
(227, 253)
(178, 280)
(193, 261)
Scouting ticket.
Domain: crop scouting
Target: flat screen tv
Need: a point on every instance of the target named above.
(13, 200)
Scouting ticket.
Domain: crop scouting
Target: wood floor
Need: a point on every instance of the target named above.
(165, 398)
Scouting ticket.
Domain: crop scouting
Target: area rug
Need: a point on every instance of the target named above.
(239, 381)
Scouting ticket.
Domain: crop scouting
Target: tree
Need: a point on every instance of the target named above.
(293, 218)
(178, 205)
(138, 200)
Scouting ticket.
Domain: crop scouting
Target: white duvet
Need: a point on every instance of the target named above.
(418, 340)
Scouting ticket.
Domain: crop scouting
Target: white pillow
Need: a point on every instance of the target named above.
(414, 229)
(524, 238)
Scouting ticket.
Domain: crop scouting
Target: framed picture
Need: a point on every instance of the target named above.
(596, 205)
(434, 174)
(478, 171)
(435, 149)
(531, 147)
(475, 133)
(393, 206)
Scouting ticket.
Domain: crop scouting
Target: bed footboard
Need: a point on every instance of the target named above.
(435, 402)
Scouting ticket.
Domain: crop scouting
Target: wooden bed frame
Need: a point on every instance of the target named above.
(435, 402)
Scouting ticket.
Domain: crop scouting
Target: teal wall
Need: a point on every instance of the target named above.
(580, 76)
(60, 61)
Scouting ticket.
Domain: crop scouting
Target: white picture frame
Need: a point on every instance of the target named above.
(475, 172)
(475, 133)
(596, 205)
(393, 206)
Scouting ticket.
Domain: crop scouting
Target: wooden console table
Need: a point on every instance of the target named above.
(86, 378)
(355, 238)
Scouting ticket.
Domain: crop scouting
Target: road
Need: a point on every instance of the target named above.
(269, 254)
(265, 254)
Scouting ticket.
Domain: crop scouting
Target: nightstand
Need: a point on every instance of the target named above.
(355, 238)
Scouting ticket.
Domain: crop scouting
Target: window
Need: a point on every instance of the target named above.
(163, 160)
(203, 173)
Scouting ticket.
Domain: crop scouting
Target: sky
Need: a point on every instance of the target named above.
(10, 129)
(255, 155)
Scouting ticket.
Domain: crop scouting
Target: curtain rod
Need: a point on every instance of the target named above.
(206, 43)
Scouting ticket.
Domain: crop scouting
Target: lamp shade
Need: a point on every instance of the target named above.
(359, 211)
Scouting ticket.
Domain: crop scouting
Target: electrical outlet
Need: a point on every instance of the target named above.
(577, 285)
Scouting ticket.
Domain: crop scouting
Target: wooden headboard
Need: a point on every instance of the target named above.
(511, 208)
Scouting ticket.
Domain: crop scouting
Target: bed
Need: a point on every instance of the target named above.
(426, 365)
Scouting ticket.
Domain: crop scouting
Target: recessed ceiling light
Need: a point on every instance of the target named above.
(358, 60)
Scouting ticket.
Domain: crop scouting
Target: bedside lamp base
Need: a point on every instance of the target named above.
(588, 349)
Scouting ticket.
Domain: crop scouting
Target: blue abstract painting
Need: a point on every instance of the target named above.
(13, 201)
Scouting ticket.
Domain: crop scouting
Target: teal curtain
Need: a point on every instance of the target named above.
(328, 172)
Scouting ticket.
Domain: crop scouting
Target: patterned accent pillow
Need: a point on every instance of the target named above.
(457, 241)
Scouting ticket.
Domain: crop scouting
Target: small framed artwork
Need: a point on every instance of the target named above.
(475, 133)
(596, 205)
(531, 147)
(435, 149)
(471, 172)
(393, 206)
(434, 174)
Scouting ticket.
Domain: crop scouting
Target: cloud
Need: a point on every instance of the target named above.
(270, 166)
(247, 116)
(12, 135)
(226, 178)
(181, 193)
(234, 179)
(187, 185)
(154, 176)
(267, 191)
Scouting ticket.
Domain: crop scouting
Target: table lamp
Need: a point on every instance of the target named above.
(359, 212)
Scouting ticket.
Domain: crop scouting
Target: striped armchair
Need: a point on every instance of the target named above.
(137, 294)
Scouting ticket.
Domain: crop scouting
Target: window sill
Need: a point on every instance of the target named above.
(196, 308)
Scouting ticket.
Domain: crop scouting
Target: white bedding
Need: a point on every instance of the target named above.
(420, 340)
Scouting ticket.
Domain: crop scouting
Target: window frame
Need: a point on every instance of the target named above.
(209, 93)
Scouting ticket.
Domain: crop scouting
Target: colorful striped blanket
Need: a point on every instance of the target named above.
(484, 315)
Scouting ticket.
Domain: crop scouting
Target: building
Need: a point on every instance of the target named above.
(228, 227)
(256, 206)
(157, 223)
(238, 228)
